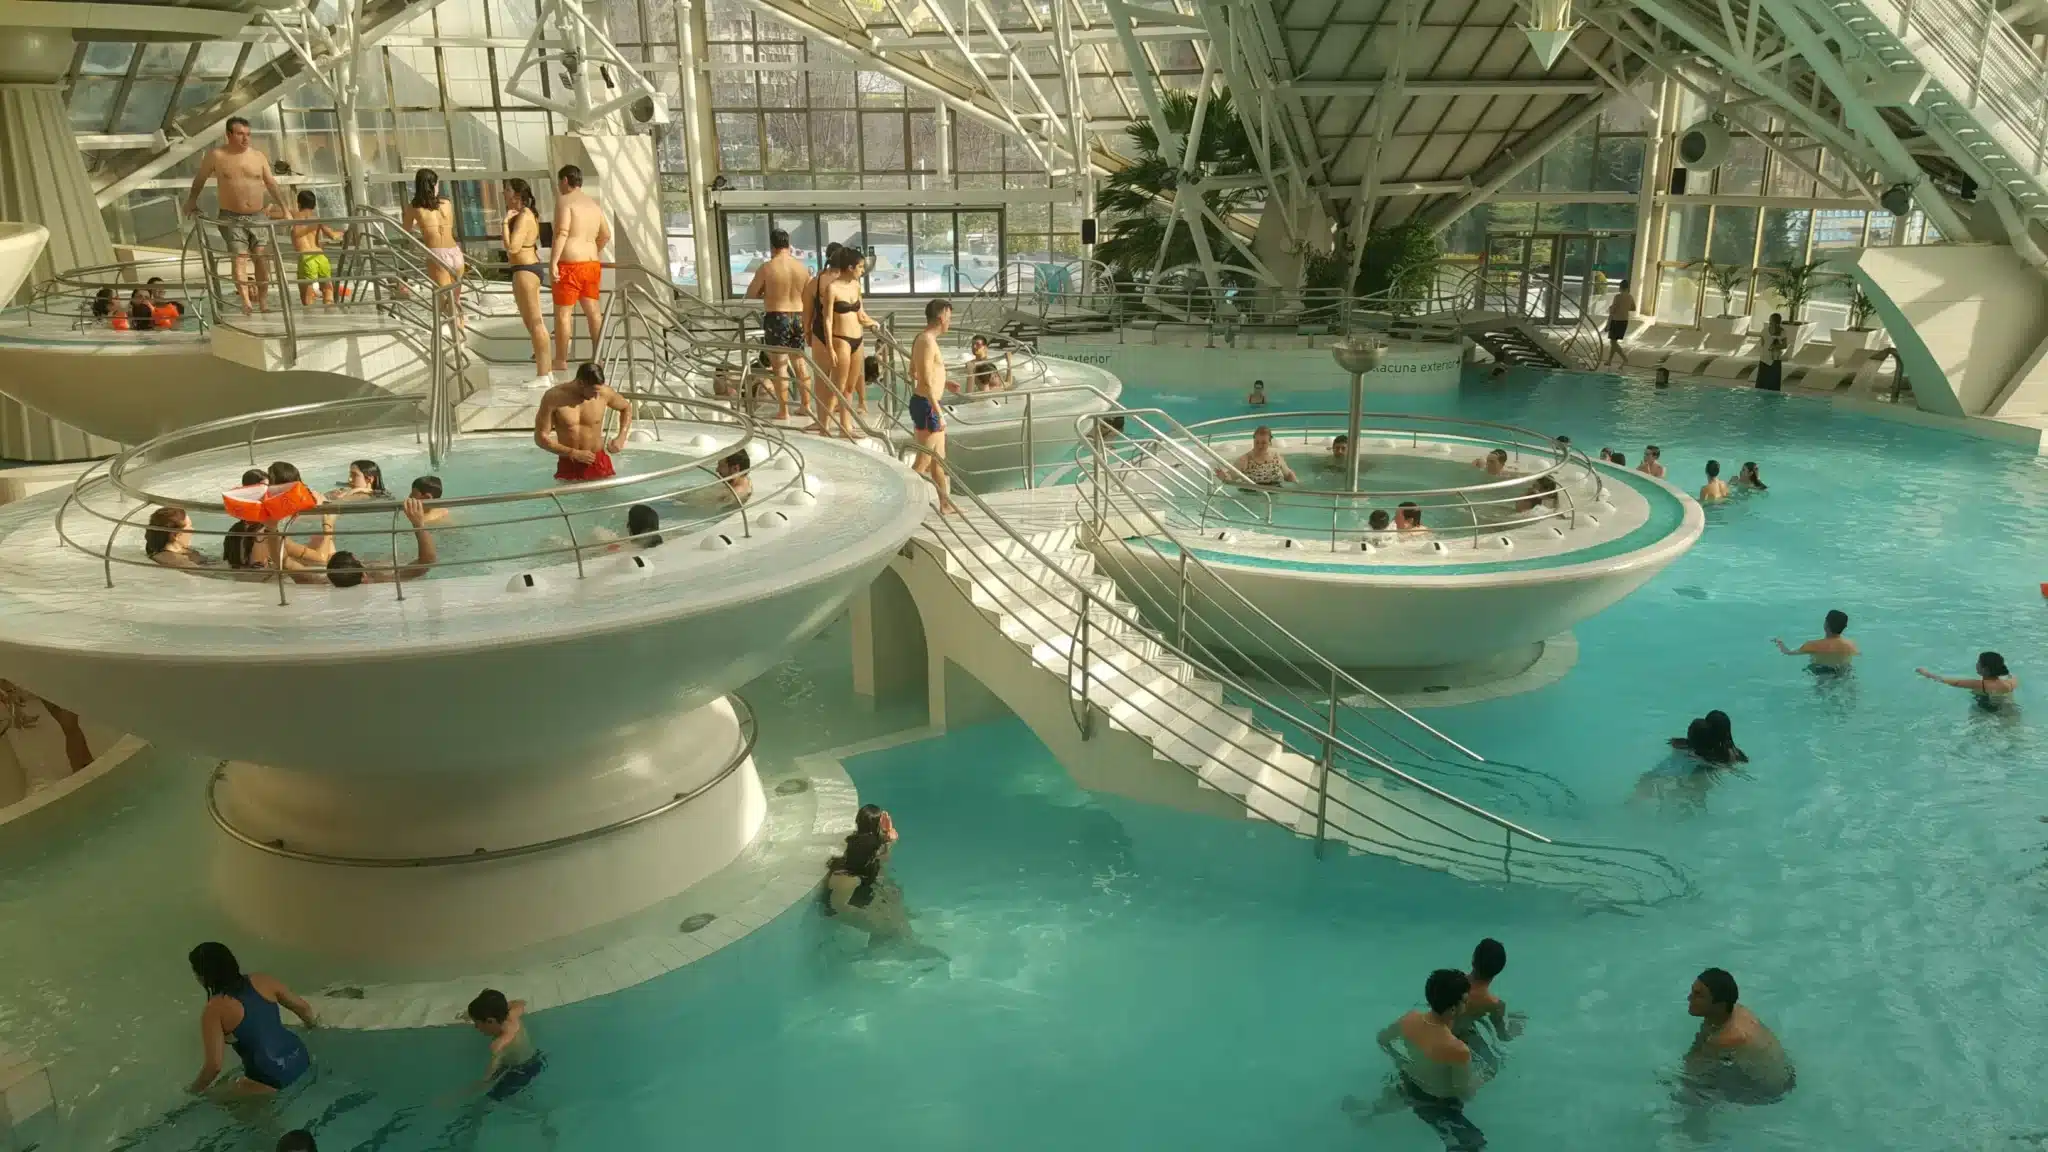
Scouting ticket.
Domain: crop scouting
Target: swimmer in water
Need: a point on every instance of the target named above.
(1733, 1058)
(1494, 463)
(1489, 959)
(1653, 462)
(1433, 1072)
(1257, 399)
(1831, 654)
(241, 1011)
(1994, 683)
(1715, 489)
(515, 1063)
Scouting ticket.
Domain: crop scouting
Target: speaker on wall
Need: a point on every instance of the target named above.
(1088, 230)
(1703, 145)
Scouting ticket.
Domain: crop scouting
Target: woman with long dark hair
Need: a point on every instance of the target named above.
(432, 215)
(837, 325)
(241, 1011)
(1993, 685)
(522, 252)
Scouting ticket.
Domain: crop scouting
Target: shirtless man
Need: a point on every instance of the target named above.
(1831, 654)
(928, 385)
(516, 1061)
(1733, 1057)
(982, 374)
(245, 187)
(1653, 462)
(779, 286)
(1433, 1073)
(575, 263)
(1619, 311)
(1494, 463)
(571, 425)
(345, 570)
(1715, 489)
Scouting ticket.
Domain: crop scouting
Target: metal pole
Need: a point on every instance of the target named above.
(1030, 447)
(1351, 452)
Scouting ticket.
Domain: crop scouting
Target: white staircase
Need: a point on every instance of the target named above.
(1033, 620)
(1986, 90)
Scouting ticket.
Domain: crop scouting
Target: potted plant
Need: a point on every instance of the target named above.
(1795, 284)
(1859, 336)
(1725, 279)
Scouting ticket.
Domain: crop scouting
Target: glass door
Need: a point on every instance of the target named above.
(1575, 295)
(1540, 279)
(1502, 271)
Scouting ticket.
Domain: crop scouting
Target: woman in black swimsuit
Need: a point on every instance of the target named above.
(837, 340)
(1993, 685)
(522, 251)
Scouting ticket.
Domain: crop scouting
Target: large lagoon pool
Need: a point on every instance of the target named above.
(1123, 977)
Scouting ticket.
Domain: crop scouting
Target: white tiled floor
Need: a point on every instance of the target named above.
(781, 868)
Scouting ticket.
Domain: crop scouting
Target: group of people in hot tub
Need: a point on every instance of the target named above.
(1264, 467)
(258, 550)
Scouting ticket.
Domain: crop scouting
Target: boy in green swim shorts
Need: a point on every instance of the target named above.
(316, 272)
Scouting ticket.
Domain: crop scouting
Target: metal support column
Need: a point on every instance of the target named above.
(692, 31)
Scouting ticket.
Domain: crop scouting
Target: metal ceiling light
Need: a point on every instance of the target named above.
(1552, 30)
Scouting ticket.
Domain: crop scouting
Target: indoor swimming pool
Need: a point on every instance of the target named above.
(1118, 976)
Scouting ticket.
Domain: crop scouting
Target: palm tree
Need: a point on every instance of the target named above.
(1135, 201)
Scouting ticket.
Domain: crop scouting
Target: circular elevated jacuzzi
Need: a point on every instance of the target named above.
(1439, 570)
(530, 737)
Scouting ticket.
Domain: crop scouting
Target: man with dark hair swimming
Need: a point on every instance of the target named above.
(345, 570)
(1733, 1057)
(1831, 653)
(1433, 1071)
(1489, 960)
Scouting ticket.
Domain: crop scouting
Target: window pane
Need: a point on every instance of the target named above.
(1569, 166)
(1678, 296)
(1685, 233)
(414, 82)
(422, 140)
(976, 147)
(831, 89)
(888, 244)
(739, 141)
(526, 140)
(1883, 225)
(1734, 236)
(1838, 228)
(924, 142)
(932, 252)
(1789, 181)
(879, 91)
(1742, 174)
(675, 205)
(842, 228)
(803, 236)
(732, 89)
(980, 250)
(1785, 236)
(92, 98)
(746, 246)
(881, 142)
(788, 138)
(837, 145)
(147, 102)
(476, 145)
(1618, 164)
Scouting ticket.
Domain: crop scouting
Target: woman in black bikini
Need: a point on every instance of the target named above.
(522, 251)
(1992, 687)
(838, 324)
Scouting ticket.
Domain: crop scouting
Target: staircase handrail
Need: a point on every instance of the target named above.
(1090, 605)
(1985, 50)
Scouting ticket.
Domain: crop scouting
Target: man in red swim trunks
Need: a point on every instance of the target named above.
(571, 425)
(581, 235)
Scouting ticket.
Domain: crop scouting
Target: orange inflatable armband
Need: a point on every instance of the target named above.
(120, 322)
(266, 503)
(165, 315)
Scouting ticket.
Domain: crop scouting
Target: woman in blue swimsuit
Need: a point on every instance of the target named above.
(242, 1011)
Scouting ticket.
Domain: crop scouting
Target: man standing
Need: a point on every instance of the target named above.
(1831, 653)
(1433, 1074)
(928, 385)
(571, 425)
(1770, 371)
(1620, 311)
(575, 260)
(779, 286)
(245, 187)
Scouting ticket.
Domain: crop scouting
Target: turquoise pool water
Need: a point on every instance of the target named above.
(1124, 977)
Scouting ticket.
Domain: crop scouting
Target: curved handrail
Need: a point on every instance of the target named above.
(749, 734)
(981, 559)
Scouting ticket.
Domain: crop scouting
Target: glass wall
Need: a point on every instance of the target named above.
(909, 253)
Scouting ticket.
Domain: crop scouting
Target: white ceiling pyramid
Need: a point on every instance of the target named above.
(1549, 42)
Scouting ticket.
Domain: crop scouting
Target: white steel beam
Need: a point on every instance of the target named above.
(936, 41)
(1446, 87)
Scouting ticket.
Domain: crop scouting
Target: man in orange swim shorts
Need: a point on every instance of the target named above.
(576, 259)
(571, 425)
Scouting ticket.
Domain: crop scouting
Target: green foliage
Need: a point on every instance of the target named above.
(1795, 284)
(1725, 278)
(1401, 262)
(1134, 202)
(1861, 309)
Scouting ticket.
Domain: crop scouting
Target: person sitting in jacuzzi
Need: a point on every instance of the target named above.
(1408, 520)
(1494, 463)
(252, 547)
(734, 470)
(982, 374)
(1340, 456)
(643, 530)
(365, 482)
(1380, 528)
(1261, 465)
(1543, 493)
(345, 570)
(168, 540)
(426, 488)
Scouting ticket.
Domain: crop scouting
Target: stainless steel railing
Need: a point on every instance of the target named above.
(117, 493)
(742, 751)
(1405, 816)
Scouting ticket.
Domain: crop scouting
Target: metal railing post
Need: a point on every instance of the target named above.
(1180, 608)
(1030, 447)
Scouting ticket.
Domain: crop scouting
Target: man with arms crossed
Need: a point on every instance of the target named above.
(575, 262)
(779, 286)
(245, 188)
(928, 385)
(571, 425)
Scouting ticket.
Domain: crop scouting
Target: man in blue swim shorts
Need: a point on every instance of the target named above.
(515, 1063)
(928, 381)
